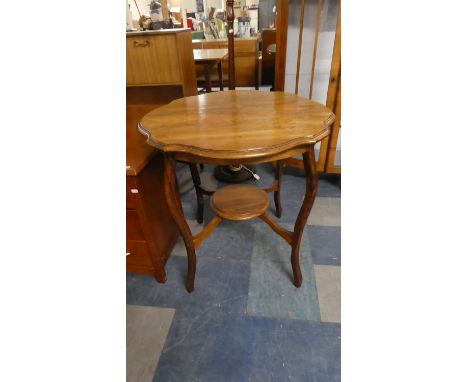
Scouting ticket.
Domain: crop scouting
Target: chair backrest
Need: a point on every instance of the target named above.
(230, 34)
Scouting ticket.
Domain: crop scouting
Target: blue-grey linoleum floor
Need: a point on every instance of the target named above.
(245, 321)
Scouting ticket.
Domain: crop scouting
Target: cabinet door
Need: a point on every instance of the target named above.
(151, 60)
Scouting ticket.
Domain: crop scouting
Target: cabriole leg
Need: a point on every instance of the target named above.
(277, 194)
(171, 193)
(311, 190)
(197, 183)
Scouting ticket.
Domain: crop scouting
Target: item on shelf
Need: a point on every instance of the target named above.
(157, 25)
(144, 22)
(244, 27)
(129, 18)
(155, 11)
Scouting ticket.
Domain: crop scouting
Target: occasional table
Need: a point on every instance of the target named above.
(208, 58)
(238, 127)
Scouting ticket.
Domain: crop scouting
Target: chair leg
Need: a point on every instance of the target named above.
(171, 193)
(257, 74)
(277, 194)
(197, 183)
(311, 191)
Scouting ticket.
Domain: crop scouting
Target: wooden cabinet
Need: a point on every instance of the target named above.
(160, 68)
(151, 232)
(161, 58)
(149, 61)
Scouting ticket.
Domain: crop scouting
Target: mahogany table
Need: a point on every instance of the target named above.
(234, 127)
(208, 58)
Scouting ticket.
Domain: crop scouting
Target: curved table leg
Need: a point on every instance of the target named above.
(197, 183)
(171, 193)
(311, 190)
(277, 194)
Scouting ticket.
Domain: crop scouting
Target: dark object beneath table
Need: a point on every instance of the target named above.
(230, 174)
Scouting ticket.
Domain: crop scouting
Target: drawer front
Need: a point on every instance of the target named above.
(138, 254)
(134, 231)
(133, 193)
(152, 60)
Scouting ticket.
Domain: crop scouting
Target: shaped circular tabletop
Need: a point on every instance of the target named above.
(236, 124)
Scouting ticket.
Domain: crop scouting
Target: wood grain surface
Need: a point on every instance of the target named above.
(201, 55)
(237, 125)
(239, 202)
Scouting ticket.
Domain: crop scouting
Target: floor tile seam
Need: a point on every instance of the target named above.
(315, 326)
(324, 226)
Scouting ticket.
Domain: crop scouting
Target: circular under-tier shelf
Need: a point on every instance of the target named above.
(239, 202)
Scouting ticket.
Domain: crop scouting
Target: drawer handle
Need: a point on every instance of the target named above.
(137, 44)
(134, 190)
(128, 253)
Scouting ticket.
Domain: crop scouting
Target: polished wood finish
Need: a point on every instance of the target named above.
(239, 202)
(245, 59)
(227, 125)
(277, 194)
(293, 125)
(199, 191)
(149, 61)
(138, 154)
(186, 62)
(151, 232)
(151, 95)
(160, 69)
(230, 33)
(210, 55)
(294, 163)
(158, 58)
(282, 8)
(311, 191)
(175, 207)
(209, 58)
(197, 239)
(202, 191)
(285, 234)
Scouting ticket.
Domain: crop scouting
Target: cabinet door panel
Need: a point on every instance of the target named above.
(152, 60)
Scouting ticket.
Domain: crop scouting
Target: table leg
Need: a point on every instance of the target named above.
(311, 190)
(199, 192)
(277, 194)
(220, 76)
(171, 193)
(207, 77)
